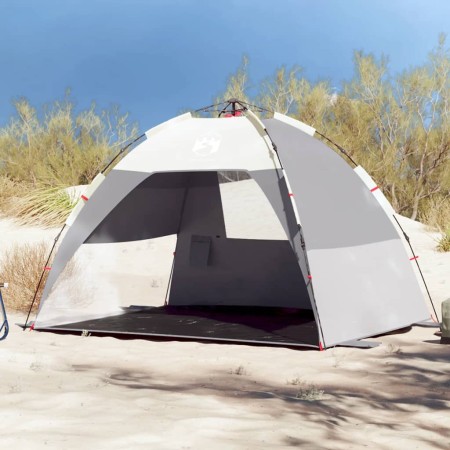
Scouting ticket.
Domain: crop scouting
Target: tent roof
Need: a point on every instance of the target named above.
(187, 143)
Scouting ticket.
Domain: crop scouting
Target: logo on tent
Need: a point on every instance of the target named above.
(206, 145)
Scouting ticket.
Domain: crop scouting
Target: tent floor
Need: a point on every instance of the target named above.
(269, 326)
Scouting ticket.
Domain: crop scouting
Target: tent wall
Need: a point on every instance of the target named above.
(273, 184)
(151, 210)
(213, 270)
(107, 196)
(362, 278)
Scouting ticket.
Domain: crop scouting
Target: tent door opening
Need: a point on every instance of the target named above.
(221, 288)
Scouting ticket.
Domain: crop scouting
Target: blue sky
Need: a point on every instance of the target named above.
(155, 58)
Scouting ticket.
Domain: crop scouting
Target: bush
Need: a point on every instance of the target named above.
(58, 147)
(396, 127)
(436, 213)
(43, 153)
(8, 190)
(444, 242)
(21, 267)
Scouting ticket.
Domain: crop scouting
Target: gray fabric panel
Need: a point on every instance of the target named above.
(362, 278)
(365, 290)
(273, 184)
(151, 210)
(238, 272)
(113, 189)
(336, 208)
(202, 209)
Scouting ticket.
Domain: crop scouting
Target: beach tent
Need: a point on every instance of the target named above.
(340, 274)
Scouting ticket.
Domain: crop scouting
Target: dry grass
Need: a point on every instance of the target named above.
(306, 391)
(444, 242)
(9, 189)
(436, 213)
(21, 267)
(43, 206)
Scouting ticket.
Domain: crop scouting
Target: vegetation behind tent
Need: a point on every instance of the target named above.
(397, 127)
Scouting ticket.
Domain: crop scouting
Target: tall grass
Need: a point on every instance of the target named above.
(43, 206)
(46, 206)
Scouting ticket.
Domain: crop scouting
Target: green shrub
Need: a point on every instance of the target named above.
(61, 148)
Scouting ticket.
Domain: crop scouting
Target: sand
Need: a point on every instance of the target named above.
(71, 392)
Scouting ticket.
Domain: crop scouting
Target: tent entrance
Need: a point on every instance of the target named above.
(213, 269)
(268, 326)
(230, 280)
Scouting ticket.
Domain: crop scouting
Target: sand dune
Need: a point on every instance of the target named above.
(71, 392)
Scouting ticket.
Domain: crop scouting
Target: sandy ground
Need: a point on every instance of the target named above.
(71, 392)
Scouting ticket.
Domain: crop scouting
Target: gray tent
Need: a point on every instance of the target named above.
(340, 274)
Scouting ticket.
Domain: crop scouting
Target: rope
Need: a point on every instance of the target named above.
(418, 266)
(42, 275)
(206, 108)
(227, 103)
(257, 107)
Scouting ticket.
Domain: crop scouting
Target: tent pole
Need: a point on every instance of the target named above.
(46, 267)
(341, 149)
(170, 281)
(120, 152)
(418, 266)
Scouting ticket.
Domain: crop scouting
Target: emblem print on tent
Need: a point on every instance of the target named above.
(206, 145)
